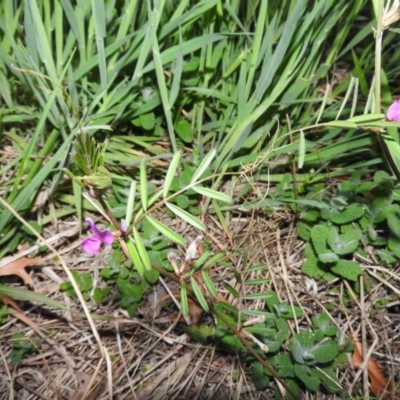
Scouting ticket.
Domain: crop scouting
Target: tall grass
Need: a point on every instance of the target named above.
(155, 76)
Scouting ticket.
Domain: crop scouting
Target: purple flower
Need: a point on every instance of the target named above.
(93, 243)
(393, 113)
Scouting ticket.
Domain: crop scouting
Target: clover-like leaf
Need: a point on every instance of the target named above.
(345, 243)
(286, 310)
(304, 373)
(324, 324)
(394, 225)
(351, 213)
(307, 349)
(347, 269)
(319, 235)
(325, 351)
(328, 257)
(260, 379)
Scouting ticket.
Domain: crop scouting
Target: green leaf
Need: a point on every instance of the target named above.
(143, 185)
(199, 333)
(302, 348)
(231, 290)
(342, 124)
(133, 252)
(302, 150)
(328, 257)
(35, 226)
(319, 235)
(259, 378)
(325, 351)
(345, 243)
(287, 311)
(147, 121)
(213, 194)
(394, 224)
(203, 165)
(184, 301)
(169, 177)
(151, 275)
(130, 204)
(99, 295)
(199, 294)
(190, 219)
(184, 130)
(166, 231)
(329, 377)
(349, 214)
(303, 372)
(141, 249)
(324, 324)
(258, 296)
(347, 269)
(209, 284)
(364, 119)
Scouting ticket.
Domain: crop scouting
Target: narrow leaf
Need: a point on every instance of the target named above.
(141, 249)
(171, 173)
(190, 219)
(213, 194)
(302, 150)
(143, 185)
(131, 203)
(166, 231)
(184, 301)
(198, 293)
(203, 165)
(137, 262)
(209, 284)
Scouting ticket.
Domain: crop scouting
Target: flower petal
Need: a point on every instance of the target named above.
(124, 226)
(104, 236)
(91, 245)
(393, 113)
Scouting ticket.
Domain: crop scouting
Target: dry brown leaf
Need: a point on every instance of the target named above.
(17, 267)
(380, 386)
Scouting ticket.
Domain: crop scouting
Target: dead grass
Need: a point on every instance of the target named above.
(151, 357)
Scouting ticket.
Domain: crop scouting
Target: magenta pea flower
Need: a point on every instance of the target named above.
(393, 113)
(93, 243)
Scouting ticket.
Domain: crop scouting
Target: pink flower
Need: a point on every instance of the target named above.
(393, 113)
(93, 243)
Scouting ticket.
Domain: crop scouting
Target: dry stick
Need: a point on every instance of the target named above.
(102, 348)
